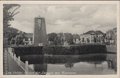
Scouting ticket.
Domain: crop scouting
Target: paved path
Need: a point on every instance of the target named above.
(11, 66)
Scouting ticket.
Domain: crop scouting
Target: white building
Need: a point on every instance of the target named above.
(92, 37)
(28, 39)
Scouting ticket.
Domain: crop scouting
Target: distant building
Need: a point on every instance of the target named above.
(28, 40)
(92, 37)
(65, 43)
(76, 41)
(111, 36)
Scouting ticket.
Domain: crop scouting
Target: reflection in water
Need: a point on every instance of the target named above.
(72, 64)
(40, 68)
(69, 65)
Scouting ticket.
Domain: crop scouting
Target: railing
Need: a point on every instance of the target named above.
(5, 62)
(24, 66)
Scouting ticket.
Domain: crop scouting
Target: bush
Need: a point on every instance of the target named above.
(74, 50)
(28, 50)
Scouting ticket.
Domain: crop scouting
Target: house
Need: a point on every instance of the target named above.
(111, 36)
(76, 39)
(28, 40)
(92, 37)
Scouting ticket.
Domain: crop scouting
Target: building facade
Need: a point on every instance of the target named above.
(111, 36)
(92, 37)
(28, 40)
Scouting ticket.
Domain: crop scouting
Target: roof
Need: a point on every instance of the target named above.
(99, 32)
(93, 32)
(89, 32)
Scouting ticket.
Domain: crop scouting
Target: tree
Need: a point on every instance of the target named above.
(11, 34)
(19, 38)
(69, 38)
(9, 11)
(53, 38)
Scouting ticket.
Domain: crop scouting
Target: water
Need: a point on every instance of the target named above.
(86, 64)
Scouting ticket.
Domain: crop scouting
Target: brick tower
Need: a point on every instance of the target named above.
(40, 36)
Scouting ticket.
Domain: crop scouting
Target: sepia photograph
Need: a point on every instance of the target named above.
(60, 39)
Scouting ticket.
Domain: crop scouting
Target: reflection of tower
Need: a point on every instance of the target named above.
(41, 68)
(40, 36)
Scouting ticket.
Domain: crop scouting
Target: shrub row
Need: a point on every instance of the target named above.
(74, 50)
(31, 50)
(60, 50)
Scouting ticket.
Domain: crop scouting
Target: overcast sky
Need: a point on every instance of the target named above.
(67, 18)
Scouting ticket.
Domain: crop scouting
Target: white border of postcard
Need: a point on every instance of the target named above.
(58, 2)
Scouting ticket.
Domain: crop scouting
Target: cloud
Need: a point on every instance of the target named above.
(68, 18)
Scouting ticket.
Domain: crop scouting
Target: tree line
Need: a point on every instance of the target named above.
(60, 38)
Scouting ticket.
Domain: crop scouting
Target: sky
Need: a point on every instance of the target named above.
(71, 18)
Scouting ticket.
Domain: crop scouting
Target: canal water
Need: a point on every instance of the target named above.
(85, 64)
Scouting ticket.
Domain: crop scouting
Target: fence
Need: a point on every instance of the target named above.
(24, 66)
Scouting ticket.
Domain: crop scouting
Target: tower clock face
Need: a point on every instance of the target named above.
(39, 23)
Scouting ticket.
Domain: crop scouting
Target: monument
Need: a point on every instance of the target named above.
(40, 36)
